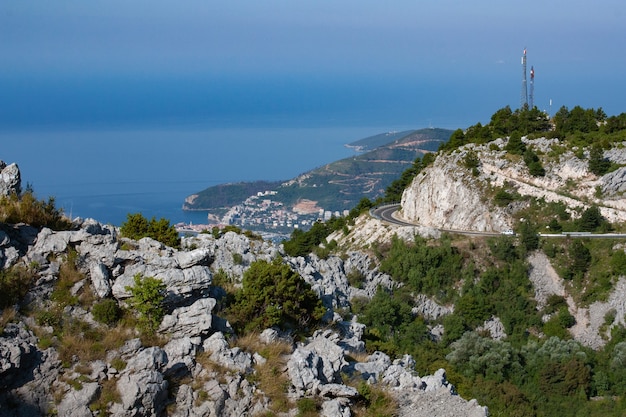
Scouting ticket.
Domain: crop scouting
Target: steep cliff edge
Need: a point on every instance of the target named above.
(449, 195)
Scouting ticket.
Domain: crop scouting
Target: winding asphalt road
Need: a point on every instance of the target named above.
(386, 214)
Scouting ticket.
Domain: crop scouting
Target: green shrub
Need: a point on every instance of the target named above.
(147, 296)
(274, 295)
(14, 284)
(306, 407)
(106, 311)
(515, 144)
(598, 164)
(137, 226)
(503, 198)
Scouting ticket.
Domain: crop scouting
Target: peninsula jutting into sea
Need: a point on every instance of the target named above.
(277, 208)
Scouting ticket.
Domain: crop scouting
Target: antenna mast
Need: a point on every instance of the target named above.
(524, 95)
(531, 96)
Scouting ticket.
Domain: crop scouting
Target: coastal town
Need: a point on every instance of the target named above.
(264, 214)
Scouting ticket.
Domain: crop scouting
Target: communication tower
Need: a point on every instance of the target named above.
(524, 95)
(531, 96)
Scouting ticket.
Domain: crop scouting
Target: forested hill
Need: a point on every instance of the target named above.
(339, 185)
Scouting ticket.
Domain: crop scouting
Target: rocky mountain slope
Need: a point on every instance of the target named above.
(55, 358)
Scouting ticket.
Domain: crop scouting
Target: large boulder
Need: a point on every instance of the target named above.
(195, 320)
(100, 279)
(180, 283)
(26, 373)
(10, 179)
(317, 364)
(142, 386)
(231, 358)
(76, 402)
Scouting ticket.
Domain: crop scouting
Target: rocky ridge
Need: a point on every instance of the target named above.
(448, 196)
(200, 370)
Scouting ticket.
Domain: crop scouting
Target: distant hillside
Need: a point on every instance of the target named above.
(226, 195)
(373, 142)
(337, 186)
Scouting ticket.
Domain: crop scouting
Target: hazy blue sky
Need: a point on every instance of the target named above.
(415, 62)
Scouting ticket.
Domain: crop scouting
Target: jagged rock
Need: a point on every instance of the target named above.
(232, 243)
(318, 363)
(268, 336)
(437, 403)
(14, 347)
(200, 256)
(181, 353)
(614, 183)
(446, 197)
(338, 390)
(324, 343)
(179, 283)
(76, 402)
(10, 179)
(141, 385)
(400, 375)
(27, 374)
(376, 364)
(437, 381)
(50, 242)
(337, 407)
(100, 280)
(429, 308)
(304, 370)
(187, 405)
(352, 332)
(142, 394)
(195, 320)
(234, 358)
(495, 327)
(327, 278)
(152, 358)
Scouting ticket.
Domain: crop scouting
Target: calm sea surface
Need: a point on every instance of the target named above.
(106, 174)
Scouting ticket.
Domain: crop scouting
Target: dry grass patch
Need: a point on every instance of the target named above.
(108, 395)
(374, 402)
(8, 316)
(271, 377)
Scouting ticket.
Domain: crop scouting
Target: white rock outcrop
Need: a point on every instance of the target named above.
(448, 197)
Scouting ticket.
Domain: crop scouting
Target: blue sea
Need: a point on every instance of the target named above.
(106, 147)
(107, 174)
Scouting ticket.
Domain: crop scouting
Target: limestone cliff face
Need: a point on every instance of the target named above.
(447, 195)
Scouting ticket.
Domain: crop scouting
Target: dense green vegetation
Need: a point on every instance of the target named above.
(274, 295)
(524, 374)
(137, 226)
(577, 127)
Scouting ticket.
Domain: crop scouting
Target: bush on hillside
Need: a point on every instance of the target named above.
(274, 295)
(147, 296)
(137, 226)
(14, 284)
(25, 208)
(106, 311)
